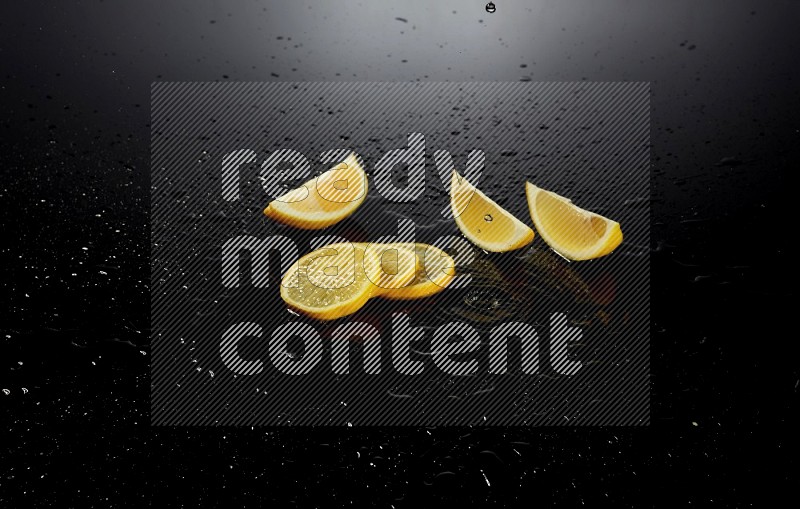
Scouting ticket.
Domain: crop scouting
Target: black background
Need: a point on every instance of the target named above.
(75, 153)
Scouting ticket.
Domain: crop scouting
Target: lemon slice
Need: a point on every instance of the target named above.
(329, 282)
(483, 221)
(395, 264)
(571, 231)
(325, 200)
(433, 275)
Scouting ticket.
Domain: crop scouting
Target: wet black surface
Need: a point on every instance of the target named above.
(74, 350)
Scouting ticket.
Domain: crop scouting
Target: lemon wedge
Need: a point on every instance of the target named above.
(571, 231)
(484, 222)
(434, 273)
(325, 200)
(329, 282)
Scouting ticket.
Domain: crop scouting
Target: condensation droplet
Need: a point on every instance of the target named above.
(488, 218)
(490, 8)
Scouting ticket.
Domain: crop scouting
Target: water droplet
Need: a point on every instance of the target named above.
(488, 218)
(490, 7)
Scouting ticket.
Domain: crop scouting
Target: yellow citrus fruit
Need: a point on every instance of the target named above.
(337, 280)
(571, 231)
(484, 222)
(325, 200)
(395, 264)
(434, 273)
(329, 282)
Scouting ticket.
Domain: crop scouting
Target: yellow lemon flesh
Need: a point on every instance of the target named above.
(325, 200)
(329, 282)
(433, 275)
(337, 280)
(571, 231)
(484, 222)
(395, 264)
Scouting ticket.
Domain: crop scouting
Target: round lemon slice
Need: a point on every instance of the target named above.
(329, 282)
(395, 264)
(571, 231)
(325, 200)
(483, 221)
(433, 275)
